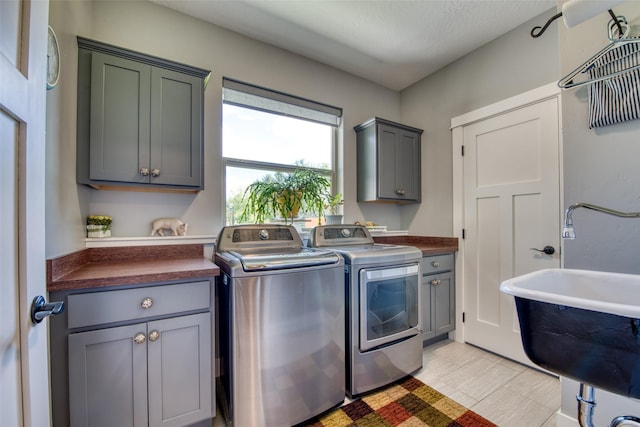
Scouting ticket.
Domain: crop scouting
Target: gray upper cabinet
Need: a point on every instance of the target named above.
(388, 162)
(140, 120)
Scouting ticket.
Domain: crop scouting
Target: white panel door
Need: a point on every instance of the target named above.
(24, 376)
(511, 205)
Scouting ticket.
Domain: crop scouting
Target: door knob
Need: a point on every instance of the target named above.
(41, 309)
(547, 250)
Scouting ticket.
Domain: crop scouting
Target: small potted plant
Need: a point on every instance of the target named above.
(99, 226)
(332, 202)
(284, 195)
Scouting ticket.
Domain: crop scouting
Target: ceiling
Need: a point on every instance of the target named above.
(394, 43)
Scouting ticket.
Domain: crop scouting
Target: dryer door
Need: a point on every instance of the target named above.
(389, 304)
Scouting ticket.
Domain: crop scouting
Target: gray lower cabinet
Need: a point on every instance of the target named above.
(388, 162)
(438, 295)
(139, 357)
(140, 120)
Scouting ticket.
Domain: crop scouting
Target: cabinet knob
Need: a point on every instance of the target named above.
(146, 303)
(139, 338)
(144, 171)
(435, 282)
(154, 335)
(400, 192)
(436, 264)
(155, 172)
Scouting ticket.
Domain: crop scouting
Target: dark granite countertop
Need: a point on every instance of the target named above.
(428, 245)
(98, 267)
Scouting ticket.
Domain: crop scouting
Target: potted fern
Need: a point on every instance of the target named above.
(284, 195)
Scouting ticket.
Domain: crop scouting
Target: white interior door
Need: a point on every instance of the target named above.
(24, 375)
(511, 204)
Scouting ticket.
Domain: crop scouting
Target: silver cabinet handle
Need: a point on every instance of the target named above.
(40, 309)
(144, 171)
(146, 303)
(155, 172)
(400, 192)
(154, 335)
(435, 282)
(139, 338)
(436, 264)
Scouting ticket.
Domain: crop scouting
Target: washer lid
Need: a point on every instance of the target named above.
(355, 244)
(378, 254)
(277, 261)
(261, 247)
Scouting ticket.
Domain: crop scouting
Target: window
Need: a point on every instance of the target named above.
(265, 131)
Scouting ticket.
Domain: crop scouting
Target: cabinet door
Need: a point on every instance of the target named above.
(428, 330)
(120, 115)
(176, 128)
(408, 160)
(399, 164)
(438, 304)
(180, 372)
(108, 378)
(443, 303)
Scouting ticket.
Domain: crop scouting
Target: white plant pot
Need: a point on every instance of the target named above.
(333, 219)
(98, 231)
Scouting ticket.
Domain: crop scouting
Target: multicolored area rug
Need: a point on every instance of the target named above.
(407, 403)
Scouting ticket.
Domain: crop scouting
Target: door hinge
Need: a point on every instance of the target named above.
(462, 150)
(463, 317)
(463, 233)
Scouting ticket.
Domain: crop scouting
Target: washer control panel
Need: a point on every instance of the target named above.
(258, 237)
(339, 235)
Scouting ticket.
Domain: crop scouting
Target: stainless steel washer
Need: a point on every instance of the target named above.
(384, 320)
(282, 333)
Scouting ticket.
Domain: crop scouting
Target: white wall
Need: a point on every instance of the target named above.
(510, 65)
(601, 166)
(147, 27)
(67, 203)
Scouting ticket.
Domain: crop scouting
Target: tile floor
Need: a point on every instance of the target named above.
(504, 392)
(507, 393)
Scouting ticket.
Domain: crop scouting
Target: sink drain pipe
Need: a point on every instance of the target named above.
(586, 405)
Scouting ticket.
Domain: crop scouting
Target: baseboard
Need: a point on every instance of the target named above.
(563, 420)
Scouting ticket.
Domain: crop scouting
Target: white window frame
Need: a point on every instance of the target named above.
(249, 96)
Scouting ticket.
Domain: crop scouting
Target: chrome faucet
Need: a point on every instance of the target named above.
(567, 229)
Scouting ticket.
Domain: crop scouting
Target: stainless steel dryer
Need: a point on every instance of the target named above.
(384, 320)
(282, 333)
